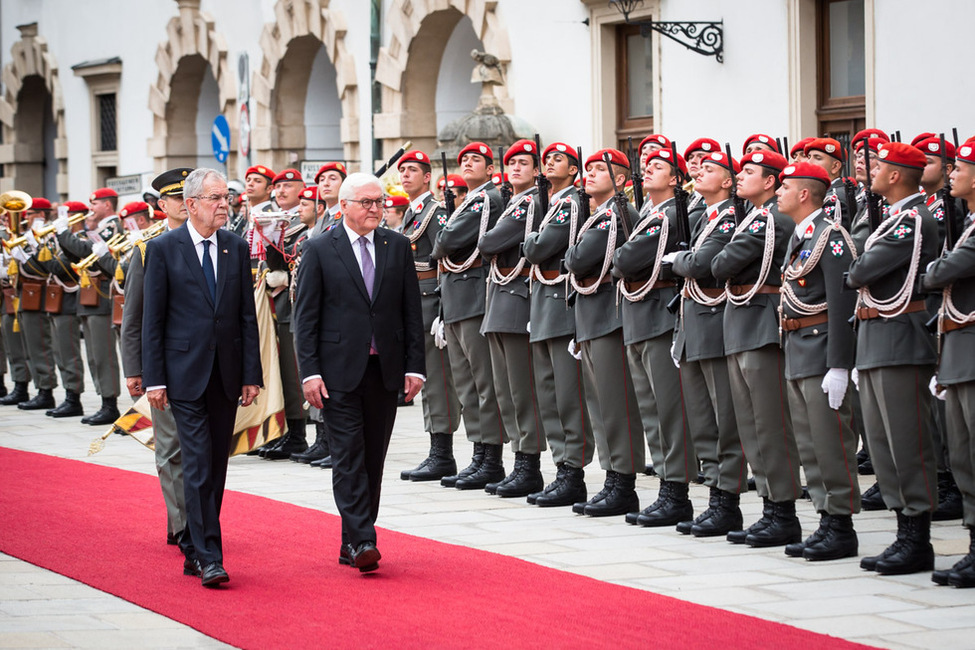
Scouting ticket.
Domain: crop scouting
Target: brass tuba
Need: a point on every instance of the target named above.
(13, 203)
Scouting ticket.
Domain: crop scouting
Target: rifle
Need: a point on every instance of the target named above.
(873, 209)
(637, 176)
(584, 211)
(954, 136)
(850, 190)
(448, 194)
(735, 199)
(947, 203)
(785, 148)
(506, 189)
(541, 182)
(683, 224)
(392, 161)
(619, 197)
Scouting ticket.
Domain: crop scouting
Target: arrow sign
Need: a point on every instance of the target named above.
(220, 138)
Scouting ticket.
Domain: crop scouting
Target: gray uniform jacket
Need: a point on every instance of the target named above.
(79, 247)
(131, 334)
(430, 216)
(551, 315)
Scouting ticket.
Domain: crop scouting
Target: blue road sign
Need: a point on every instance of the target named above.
(220, 138)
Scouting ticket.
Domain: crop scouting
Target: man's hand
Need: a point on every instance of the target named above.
(248, 394)
(411, 387)
(315, 392)
(157, 398)
(134, 384)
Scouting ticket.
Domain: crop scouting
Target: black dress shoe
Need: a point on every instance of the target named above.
(172, 539)
(345, 555)
(323, 463)
(213, 575)
(366, 557)
(191, 567)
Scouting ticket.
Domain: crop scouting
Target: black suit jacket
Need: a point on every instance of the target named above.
(183, 330)
(335, 318)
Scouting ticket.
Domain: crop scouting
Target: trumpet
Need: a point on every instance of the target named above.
(83, 265)
(47, 230)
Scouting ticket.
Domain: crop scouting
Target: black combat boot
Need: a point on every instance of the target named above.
(476, 459)
(490, 470)
(571, 490)
(621, 499)
(43, 400)
(492, 487)
(915, 554)
(962, 575)
(3, 387)
(609, 483)
(783, 529)
(949, 499)
(869, 563)
(559, 478)
(17, 395)
(724, 518)
(69, 408)
(528, 481)
(795, 550)
(107, 414)
(317, 451)
(663, 494)
(872, 499)
(837, 542)
(864, 464)
(739, 536)
(440, 462)
(294, 442)
(714, 496)
(675, 508)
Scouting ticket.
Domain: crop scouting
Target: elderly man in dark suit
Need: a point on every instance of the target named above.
(359, 338)
(200, 353)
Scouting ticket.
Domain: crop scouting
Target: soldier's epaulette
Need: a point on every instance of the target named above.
(142, 250)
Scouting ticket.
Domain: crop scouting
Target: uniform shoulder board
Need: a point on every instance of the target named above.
(142, 250)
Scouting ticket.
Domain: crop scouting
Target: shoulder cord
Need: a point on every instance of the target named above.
(607, 256)
(536, 272)
(482, 228)
(418, 230)
(495, 275)
(793, 273)
(647, 287)
(896, 304)
(948, 308)
(692, 289)
(767, 255)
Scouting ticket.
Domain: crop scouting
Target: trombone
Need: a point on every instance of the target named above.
(131, 239)
(40, 233)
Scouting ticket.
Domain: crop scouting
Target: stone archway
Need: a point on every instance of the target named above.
(406, 72)
(191, 46)
(279, 127)
(34, 71)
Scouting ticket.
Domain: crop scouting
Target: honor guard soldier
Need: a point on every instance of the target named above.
(798, 151)
(830, 155)
(559, 380)
(94, 300)
(329, 179)
(441, 408)
(646, 290)
(169, 460)
(505, 323)
(651, 143)
(699, 350)
(13, 338)
(954, 276)
(394, 210)
(599, 338)
(462, 295)
(860, 229)
(257, 189)
(456, 183)
(694, 155)
(759, 142)
(896, 358)
(819, 354)
(750, 266)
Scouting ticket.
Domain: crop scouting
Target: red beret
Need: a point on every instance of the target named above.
(40, 203)
(453, 180)
(134, 207)
(396, 201)
(74, 207)
(762, 138)
(479, 148)
(871, 133)
(526, 147)
(966, 153)
(499, 178)
(932, 147)
(158, 215)
(563, 148)
(806, 170)
(873, 142)
(800, 146)
(615, 156)
(919, 137)
(260, 170)
(414, 155)
(828, 146)
(902, 154)
(655, 138)
(707, 145)
(103, 193)
(667, 156)
(721, 159)
(309, 193)
(769, 159)
(329, 167)
(288, 175)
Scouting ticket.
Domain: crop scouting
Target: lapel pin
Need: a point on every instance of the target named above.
(225, 250)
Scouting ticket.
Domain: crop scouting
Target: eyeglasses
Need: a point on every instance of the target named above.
(216, 198)
(369, 204)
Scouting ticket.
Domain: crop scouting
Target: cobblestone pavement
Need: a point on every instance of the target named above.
(39, 608)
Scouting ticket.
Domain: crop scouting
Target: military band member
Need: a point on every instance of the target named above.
(441, 407)
(559, 381)
(895, 359)
(329, 179)
(819, 354)
(599, 339)
(13, 338)
(462, 295)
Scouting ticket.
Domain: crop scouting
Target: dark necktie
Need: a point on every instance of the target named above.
(208, 273)
(368, 267)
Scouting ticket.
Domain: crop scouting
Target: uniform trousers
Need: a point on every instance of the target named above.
(896, 415)
(470, 363)
(762, 411)
(13, 344)
(169, 467)
(67, 351)
(102, 353)
(294, 398)
(561, 390)
(39, 344)
(827, 446)
(960, 412)
(441, 406)
(514, 385)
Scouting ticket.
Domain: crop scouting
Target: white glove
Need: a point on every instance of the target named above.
(575, 350)
(835, 384)
(673, 354)
(277, 279)
(669, 258)
(61, 224)
(29, 236)
(936, 389)
(439, 337)
(99, 248)
(855, 376)
(3, 270)
(528, 327)
(19, 254)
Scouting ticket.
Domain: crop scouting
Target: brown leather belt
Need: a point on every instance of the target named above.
(637, 285)
(474, 265)
(426, 275)
(588, 282)
(549, 275)
(742, 289)
(867, 313)
(507, 271)
(711, 293)
(793, 324)
(948, 325)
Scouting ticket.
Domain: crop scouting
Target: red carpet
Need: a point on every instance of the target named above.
(104, 527)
